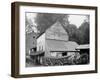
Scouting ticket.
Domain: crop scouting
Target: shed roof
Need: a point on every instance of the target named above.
(37, 53)
(85, 46)
(58, 45)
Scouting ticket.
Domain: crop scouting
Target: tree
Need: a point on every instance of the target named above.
(45, 20)
(28, 25)
(72, 32)
(84, 33)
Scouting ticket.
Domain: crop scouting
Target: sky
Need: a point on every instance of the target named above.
(73, 19)
(77, 19)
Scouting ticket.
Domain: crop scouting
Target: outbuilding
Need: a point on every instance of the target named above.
(54, 41)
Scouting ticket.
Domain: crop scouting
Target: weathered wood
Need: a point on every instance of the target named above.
(56, 31)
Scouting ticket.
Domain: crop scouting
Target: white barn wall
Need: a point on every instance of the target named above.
(41, 42)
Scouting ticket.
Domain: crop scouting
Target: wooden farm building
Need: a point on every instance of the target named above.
(84, 52)
(55, 44)
(30, 42)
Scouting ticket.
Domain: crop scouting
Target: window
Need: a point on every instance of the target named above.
(64, 54)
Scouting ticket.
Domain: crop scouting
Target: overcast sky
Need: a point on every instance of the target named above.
(77, 19)
(73, 19)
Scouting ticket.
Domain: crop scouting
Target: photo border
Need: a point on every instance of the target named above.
(15, 32)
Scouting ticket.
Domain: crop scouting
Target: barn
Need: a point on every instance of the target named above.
(54, 42)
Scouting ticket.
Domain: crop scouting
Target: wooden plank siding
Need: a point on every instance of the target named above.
(57, 31)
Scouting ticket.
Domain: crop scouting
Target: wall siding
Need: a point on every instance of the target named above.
(41, 43)
(57, 31)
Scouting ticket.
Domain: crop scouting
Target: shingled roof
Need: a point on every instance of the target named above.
(57, 45)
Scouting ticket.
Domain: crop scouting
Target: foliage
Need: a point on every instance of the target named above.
(84, 33)
(45, 20)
